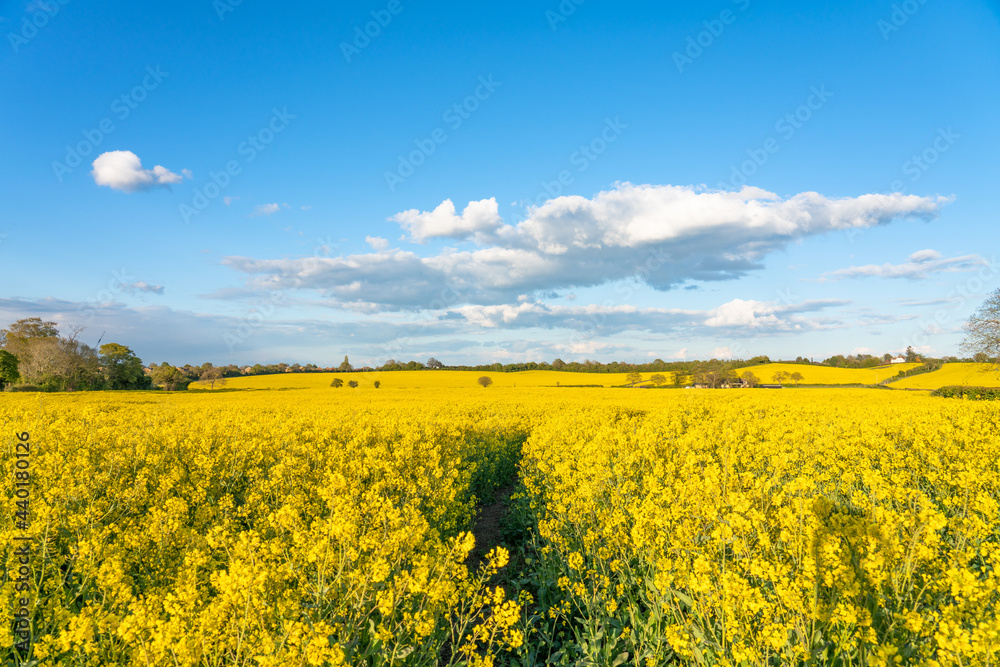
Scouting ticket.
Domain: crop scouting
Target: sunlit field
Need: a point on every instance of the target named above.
(299, 524)
(443, 379)
(975, 375)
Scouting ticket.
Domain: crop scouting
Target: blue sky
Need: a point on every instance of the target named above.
(224, 181)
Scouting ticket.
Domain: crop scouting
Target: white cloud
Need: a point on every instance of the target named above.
(122, 170)
(740, 313)
(722, 353)
(265, 209)
(664, 236)
(141, 286)
(377, 242)
(680, 354)
(922, 264)
(443, 222)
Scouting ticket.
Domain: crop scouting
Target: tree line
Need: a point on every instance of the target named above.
(33, 355)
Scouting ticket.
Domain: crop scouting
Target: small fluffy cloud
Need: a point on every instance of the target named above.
(680, 354)
(921, 264)
(265, 209)
(740, 313)
(722, 353)
(443, 222)
(377, 242)
(122, 170)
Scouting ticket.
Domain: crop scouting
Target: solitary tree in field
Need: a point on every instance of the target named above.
(658, 379)
(751, 379)
(633, 377)
(982, 331)
(377, 384)
(337, 383)
(779, 377)
(796, 377)
(353, 384)
(485, 381)
(213, 376)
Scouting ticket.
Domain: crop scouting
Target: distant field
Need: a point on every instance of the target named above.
(969, 375)
(430, 379)
(459, 379)
(827, 375)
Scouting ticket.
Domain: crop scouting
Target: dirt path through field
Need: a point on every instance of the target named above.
(487, 528)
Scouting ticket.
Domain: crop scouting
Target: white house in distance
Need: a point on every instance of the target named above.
(898, 360)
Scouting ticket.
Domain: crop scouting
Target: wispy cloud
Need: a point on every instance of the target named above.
(921, 264)
(265, 209)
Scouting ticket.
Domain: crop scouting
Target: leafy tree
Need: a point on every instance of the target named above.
(633, 377)
(678, 379)
(122, 368)
(8, 369)
(982, 331)
(751, 379)
(353, 384)
(59, 364)
(213, 376)
(485, 381)
(337, 383)
(14, 338)
(780, 377)
(911, 356)
(434, 364)
(345, 366)
(377, 384)
(170, 377)
(713, 373)
(658, 379)
(796, 377)
(558, 364)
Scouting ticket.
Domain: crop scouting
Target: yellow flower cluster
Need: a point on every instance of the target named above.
(756, 528)
(256, 528)
(310, 526)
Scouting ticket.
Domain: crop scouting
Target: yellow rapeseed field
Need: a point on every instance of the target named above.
(827, 374)
(958, 374)
(306, 525)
